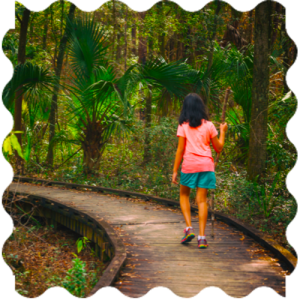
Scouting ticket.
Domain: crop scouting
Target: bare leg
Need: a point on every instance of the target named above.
(202, 207)
(185, 204)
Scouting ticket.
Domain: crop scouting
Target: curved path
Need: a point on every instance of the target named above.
(151, 234)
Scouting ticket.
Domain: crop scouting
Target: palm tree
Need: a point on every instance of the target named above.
(98, 104)
(33, 83)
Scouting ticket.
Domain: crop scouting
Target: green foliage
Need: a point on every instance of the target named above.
(265, 198)
(81, 243)
(10, 48)
(163, 141)
(75, 281)
(31, 80)
(22, 276)
(11, 143)
(248, 200)
(54, 280)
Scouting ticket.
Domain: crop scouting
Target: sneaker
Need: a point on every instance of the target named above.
(202, 243)
(189, 235)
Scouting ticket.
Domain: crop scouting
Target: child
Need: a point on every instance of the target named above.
(195, 132)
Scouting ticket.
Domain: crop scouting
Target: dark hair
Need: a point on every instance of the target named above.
(193, 110)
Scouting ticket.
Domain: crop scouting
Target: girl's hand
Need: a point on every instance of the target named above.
(223, 127)
(174, 178)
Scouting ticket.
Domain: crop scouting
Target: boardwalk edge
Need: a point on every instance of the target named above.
(283, 254)
(112, 271)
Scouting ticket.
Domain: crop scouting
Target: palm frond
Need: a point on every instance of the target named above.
(31, 79)
(86, 45)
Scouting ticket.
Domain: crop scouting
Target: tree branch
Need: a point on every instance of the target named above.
(19, 18)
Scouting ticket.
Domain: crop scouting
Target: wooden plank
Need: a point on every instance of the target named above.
(190, 250)
(238, 290)
(188, 288)
(209, 266)
(173, 280)
(226, 260)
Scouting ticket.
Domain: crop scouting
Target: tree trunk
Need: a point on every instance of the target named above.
(150, 44)
(133, 38)
(177, 44)
(142, 60)
(142, 50)
(211, 53)
(58, 69)
(114, 28)
(19, 93)
(147, 154)
(260, 91)
(93, 147)
(161, 37)
(118, 53)
(125, 41)
(45, 35)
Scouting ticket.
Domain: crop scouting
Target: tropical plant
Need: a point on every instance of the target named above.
(234, 68)
(266, 198)
(34, 82)
(75, 281)
(98, 103)
(81, 243)
(11, 143)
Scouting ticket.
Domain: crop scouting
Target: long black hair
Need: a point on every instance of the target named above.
(193, 110)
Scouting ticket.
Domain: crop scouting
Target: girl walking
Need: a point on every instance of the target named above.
(195, 133)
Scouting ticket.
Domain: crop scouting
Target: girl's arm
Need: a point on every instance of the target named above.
(218, 144)
(178, 158)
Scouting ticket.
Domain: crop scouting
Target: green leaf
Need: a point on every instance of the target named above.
(7, 145)
(15, 144)
(79, 246)
(28, 148)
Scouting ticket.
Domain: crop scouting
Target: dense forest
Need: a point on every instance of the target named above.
(96, 97)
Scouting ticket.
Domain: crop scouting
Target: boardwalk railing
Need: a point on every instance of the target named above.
(108, 246)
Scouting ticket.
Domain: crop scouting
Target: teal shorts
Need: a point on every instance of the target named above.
(206, 180)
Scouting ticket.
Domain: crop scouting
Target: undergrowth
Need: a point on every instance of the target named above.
(41, 257)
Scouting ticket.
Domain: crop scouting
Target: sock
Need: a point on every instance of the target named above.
(188, 227)
(200, 237)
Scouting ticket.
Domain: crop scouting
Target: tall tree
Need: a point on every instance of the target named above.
(260, 93)
(125, 39)
(142, 52)
(212, 40)
(114, 28)
(162, 39)
(58, 69)
(133, 39)
(19, 94)
(45, 34)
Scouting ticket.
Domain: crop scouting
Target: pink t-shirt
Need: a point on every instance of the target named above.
(197, 155)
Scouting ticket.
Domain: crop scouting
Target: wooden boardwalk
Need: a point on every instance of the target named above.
(152, 232)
